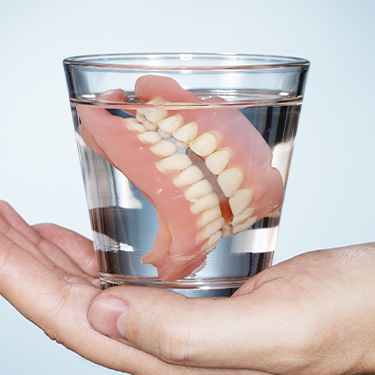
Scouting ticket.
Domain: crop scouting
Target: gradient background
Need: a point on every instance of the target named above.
(330, 195)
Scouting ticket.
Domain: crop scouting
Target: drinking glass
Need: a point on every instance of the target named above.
(185, 159)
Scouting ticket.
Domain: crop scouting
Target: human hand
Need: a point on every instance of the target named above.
(313, 314)
(294, 318)
(50, 275)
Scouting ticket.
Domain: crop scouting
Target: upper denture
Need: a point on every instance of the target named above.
(192, 214)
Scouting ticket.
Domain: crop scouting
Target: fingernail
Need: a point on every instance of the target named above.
(107, 316)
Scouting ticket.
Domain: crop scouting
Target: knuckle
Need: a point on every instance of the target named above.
(51, 324)
(174, 344)
(7, 248)
(50, 332)
(164, 330)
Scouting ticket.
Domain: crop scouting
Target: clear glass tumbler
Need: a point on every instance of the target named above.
(185, 159)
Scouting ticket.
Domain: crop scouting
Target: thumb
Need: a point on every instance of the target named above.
(216, 333)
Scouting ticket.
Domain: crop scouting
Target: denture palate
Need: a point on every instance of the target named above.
(197, 204)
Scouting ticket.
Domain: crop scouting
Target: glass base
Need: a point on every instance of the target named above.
(196, 288)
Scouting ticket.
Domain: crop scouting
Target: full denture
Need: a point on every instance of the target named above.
(221, 185)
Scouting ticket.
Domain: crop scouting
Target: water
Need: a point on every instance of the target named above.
(124, 222)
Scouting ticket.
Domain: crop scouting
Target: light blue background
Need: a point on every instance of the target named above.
(330, 195)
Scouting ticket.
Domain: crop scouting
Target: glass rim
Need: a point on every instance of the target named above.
(110, 61)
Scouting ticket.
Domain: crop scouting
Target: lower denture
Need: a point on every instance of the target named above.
(192, 213)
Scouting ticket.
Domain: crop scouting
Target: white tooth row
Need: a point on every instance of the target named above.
(204, 145)
(199, 191)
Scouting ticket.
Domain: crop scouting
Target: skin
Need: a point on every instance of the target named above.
(313, 314)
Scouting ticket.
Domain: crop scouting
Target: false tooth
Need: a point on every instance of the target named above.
(164, 134)
(149, 137)
(204, 203)
(209, 215)
(243, 216)
(170, 124)
(240, 200)
(134, 125)
(189, 176)
(176, 162)
(217, 161)
(156, 101)
(182, 145)
(154, 115)
(186, 133)
(149, 125)
(198, 189)
(226, 230)
(230, 180)
(139, 117)
(215, 238)
(245, 225)
(212, 247)
(164, 148)
(210, 229)
(212, 242)
(204, 144)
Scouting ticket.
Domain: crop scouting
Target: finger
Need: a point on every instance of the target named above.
(60, 306)
(12, 220)
(228, 333)
(18, 231)
(75, 246)
(15, 228)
